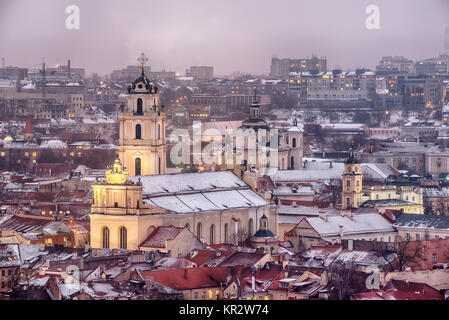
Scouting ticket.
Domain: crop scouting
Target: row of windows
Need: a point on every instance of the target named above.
(212, 233)
(123, 238)
(426, 236)
(9, 272)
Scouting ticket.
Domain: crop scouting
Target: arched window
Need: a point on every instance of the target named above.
(158, 130)
(226, 230)
(348, 202)
(358, 183)
(105, 238)
(294, 143)
(159, 164)
(348, 183)
(123, 238)
(139, 106)
(212, 234)
(292, 162)
(138, 131)
(199, 231)
(250, 227)
(138, 166)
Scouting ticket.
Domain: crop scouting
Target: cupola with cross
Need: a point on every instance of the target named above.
(142, 147)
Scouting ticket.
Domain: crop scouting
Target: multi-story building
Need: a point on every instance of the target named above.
(399, 155)
(433, 65)
(396, 64)
(422, 227)
(200, 72)
(334, 89)
(13, 73)
(281, 68)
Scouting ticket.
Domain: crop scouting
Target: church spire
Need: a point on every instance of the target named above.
(28, 133)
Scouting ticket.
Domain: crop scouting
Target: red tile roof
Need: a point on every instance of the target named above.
(199, 257)
(188, 278)
(161, 234)
(245, 259)
(402, 290)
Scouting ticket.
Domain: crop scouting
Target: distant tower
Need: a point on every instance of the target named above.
(352, 183)
(295, 143)
(28, 134)
(44, 79)
(142, 148)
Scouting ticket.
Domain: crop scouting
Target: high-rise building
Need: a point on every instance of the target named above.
(142, 148)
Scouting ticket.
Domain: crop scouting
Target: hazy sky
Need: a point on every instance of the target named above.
(230, 35)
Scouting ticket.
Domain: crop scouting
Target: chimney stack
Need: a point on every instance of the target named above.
(322, 215)
(346, 212)
(68, 69)
(340, 231)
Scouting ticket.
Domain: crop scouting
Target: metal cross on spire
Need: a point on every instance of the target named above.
(142, 59)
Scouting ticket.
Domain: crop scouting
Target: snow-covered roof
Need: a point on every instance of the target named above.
(170, 183)
(194, 192)
(357, 224)
(421, 221)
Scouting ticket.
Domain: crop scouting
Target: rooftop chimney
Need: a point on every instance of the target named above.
(347, 213)
(340, 231)
(322, 215)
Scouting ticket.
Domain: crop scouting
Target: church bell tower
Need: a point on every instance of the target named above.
(142, 148)
(352, 183)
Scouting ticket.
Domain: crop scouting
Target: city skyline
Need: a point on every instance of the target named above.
(218, 34)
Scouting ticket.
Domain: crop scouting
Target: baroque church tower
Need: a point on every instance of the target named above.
(142, 148)
(352, 183)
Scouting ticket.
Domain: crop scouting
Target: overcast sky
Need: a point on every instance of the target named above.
(231, 35)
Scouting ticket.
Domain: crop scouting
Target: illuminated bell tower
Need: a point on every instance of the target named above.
(142, 148)
(116, 211)
(351, 183)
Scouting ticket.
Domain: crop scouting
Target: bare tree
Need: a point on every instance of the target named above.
(346, 279)
(408, 254)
